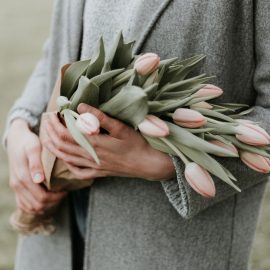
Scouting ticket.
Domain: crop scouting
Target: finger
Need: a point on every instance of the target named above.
(116, 128)
(84, 174)
(65, 146)
(24, 205)
(47, 200)
(31, 202)
(43, 196)
(34, 194)
(60, 130)
(71, 159)
(54, 197)
(34, 163)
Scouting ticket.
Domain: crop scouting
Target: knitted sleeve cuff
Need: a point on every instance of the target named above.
(22, 113)
(176, 190)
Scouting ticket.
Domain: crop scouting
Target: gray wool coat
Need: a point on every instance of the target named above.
(135, 224)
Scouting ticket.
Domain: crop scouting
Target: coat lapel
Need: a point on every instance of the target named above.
(74, 28)
(157, 10)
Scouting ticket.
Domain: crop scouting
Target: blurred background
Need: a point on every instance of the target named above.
(24, 26)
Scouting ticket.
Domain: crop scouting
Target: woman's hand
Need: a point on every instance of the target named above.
(25, 170)
(122, 152)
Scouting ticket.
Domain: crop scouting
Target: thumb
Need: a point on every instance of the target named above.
(35, 164)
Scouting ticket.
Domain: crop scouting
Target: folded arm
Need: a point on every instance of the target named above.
(183, 198)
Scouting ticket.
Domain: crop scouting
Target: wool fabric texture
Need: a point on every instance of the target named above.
(135, 224)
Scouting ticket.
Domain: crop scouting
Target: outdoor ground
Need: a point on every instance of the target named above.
(24, 26)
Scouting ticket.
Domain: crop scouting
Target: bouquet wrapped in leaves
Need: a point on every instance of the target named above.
(172, 110)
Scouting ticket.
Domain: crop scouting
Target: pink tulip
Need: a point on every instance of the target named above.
(202, 104)
(256, 162)
(200, 180)
(252, 134)
(258, 129)
(88, 124)
(209, 90)
(154, 127)
(188, 118)
(226, 146)
(147, 63)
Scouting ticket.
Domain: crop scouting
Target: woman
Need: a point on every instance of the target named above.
(130, 223)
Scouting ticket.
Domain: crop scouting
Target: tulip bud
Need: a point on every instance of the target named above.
(88, 124)
(147, 63)
(154, 127)
(200, 180)
(252, 135)
(226, 146)
(202, 104)
(256, 162)
(62, 102)
(258, 129)
(188, 118)
(209, 90)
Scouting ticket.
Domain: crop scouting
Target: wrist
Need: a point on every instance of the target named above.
(159, 166)
(18, 124)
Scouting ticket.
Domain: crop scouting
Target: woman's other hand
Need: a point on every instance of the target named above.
(25, 170)
(122, 152)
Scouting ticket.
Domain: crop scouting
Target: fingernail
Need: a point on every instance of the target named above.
(38, 178)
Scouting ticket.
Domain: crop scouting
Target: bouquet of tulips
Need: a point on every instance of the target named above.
(172, 111)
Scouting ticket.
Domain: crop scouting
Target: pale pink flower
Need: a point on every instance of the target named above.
(88, 123)
(147, 63)
(226, 146)
(200, 180)
(256, 162)
(202, 104)
(188, 118)
(154, 127)
(252, 134)
(209, 90)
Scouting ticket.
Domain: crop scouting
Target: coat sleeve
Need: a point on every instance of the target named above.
(61, 48)
(33, 99)
(183, 198)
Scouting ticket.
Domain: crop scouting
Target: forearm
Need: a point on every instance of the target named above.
(156, 166)
(32, 102)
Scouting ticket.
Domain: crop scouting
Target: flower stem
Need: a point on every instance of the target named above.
(76, 115)
(176, 150)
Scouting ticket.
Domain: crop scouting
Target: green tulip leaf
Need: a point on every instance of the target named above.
(120, 55)
(72, 76)
(87, 92)
(105, 89)
(182, 136)
(95, 66)
(122, 78)
(163, 106)
(129, 105)
(222, 128)
(214, 114)
(103, 77)
(151, 90)
(246, 147)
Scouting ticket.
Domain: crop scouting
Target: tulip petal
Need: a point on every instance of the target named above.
(200, 180)
(256, 162)
(154, 127)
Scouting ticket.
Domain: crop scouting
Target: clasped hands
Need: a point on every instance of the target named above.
(122, 150)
